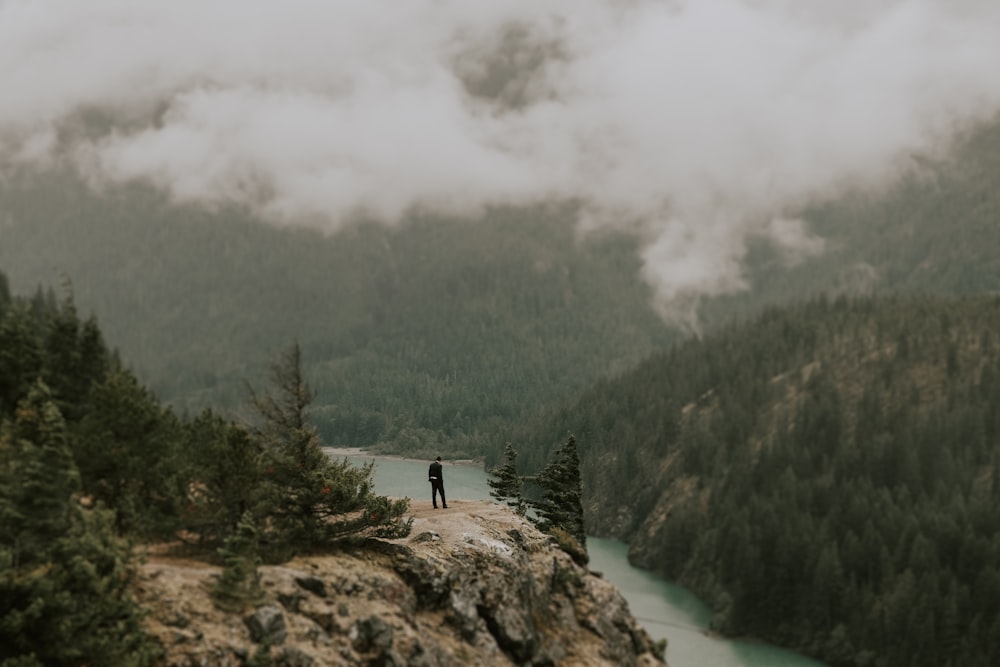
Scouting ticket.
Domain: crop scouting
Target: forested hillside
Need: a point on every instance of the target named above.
(440, 330)
(91, 462)
(934, 230)
(439, 334)
(827, 476)
(434, 335)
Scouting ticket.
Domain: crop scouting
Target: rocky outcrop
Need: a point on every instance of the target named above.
(473, 585)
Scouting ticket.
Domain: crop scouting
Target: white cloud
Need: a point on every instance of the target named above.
(695, 123)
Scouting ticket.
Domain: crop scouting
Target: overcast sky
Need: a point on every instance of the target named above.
(695, 123)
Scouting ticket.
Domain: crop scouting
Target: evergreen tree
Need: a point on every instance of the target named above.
(560, 507)
(76, 357)
(127, 448)
(505, 484)
(62, 359)
(4, 292)
(64, 575)
(238, 585)
(20, 357)
(826, 492)
(225, 466)
(310, 498)
(294, 458)
(39, 476)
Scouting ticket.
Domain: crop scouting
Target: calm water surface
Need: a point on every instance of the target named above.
(665, 610)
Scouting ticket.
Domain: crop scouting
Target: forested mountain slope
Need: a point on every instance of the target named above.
(434, 335)
(936, 230)
(117, 519)
(439, 334)
(828, 476)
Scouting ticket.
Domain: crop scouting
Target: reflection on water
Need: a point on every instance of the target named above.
(663, 609)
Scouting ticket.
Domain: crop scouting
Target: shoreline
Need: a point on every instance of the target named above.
(341, 452)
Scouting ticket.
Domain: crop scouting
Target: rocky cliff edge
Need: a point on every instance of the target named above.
(473, 584)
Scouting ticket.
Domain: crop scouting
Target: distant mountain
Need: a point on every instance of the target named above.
(827, 475)
(442, 333)
(433, 336)
(936, 230)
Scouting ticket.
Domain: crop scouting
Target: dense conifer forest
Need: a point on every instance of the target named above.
(934, 230)
(431, 337)
(827, 476)
(91, 462)
(719, 279)
(441, 333)
(823, 470)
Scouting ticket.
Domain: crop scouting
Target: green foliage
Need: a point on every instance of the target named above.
(829, 475)
(64, 575)
(123, 442)
(5, 297)
(932, 231)
(75, 358)
(128, 447)
(309, 499)
(829, 482)
(437, 326)
(444, 331)
(20, 356)
(225, 463)
(39, 476)
(238, 586)
(660, 649)
(505, 484)
(560, 508)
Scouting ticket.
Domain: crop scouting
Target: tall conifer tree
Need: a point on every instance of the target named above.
(239, 583)
(64, 576)
(560, 506)
(505, 484)
(311, 498)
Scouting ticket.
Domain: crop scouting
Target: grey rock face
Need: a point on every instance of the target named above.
(313, 584)
(267, 623)
(486, 588)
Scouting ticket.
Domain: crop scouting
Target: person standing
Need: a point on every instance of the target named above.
(436, 477)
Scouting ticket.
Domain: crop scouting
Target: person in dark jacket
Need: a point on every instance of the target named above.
(436, 477)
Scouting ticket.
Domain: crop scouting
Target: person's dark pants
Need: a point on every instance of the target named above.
(437, 486)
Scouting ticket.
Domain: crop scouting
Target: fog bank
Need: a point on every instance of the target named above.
(693, 124)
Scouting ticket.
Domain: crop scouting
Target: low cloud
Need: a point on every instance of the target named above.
(696, 124)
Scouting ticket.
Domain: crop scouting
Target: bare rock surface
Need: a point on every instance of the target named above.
(473, 584)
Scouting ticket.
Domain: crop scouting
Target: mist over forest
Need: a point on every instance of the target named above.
(690, 233)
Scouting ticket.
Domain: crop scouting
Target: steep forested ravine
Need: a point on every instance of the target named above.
(826, 476)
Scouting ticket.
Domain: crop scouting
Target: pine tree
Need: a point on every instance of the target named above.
(238, 585)
(505, 484)
(127, 449)
(64, 575)
(20, 357)
(310, 498)
(39, 476)
(294, 458)
(226, 468)
(560, 509)
(4, 292)
(62, 359)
